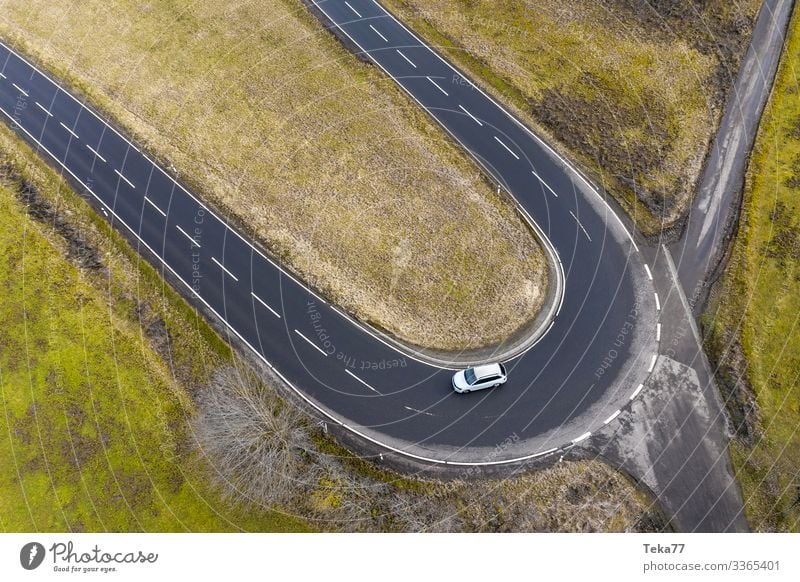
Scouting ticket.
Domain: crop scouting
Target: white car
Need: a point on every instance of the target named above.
(479, 377)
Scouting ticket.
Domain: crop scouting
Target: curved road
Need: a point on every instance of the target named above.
(592, 361)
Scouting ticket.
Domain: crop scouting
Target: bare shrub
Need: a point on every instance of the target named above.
(253, 440)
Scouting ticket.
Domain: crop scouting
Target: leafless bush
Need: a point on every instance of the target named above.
(253, 440)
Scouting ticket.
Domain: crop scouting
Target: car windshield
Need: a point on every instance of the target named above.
(469, 376)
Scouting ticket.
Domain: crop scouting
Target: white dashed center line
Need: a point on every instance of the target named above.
(312, 344)
(545, 184)
(649, 274)
(505, 146)
(221, 266)
(378, 32)
(262, 302)
(42, 107)
(124, 178)
(658, 302)
(184, 233)
(153, 204)
(353, 9)
(20, 89)
(636, 392)
(91, 149)
(475, 119)
(362, 381)
(583, 437)
(612, 417)
(579, 224)
(418, 411)
(435, 84)
(75, 135)
(410, 62)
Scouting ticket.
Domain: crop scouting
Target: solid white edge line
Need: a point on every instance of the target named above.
(612, 417)
(40, 106)
(583, 437)
(545, 184)
(658, 302)
(435, 84)
(362, 381)
(636, 392)
(410, 62)
(153, 204)
(353, 9)
(312, 344)
(505, 146)
(378, 32)
(91, 149)
(20, 89)
(124, 178)
(233, 330)
(221, 266)
(75, 135)
(649, 274)
(264, 303)
(475, 119)
(652, 363)
(186, 234)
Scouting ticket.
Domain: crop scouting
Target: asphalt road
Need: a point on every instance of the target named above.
(600, 347)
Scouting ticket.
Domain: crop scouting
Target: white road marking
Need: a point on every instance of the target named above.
(353, 9)
(505, 146)
(636, 392)
(612, 417)
(579, 224)
(583, 437)
(313, 345)
(221, 266)
(658, 302)
(184, 233)
(418, 411)
(435, 84)
(652, 363)
(91, 149)
(362, 381)
(658, 332)
(42, 107)
(649, 274)
(2, 75)
(545, 184)
(75, 135)
(262, 302)
(475, 119)
(379, 33)
(104, 211)
(20, 89)
(410, 62)
(153, 204)
(124, 178)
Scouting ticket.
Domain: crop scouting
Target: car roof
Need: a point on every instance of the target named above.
(487, 370)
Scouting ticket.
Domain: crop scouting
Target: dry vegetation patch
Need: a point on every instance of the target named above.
(318, 155)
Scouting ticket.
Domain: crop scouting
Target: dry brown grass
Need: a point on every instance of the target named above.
(322, 157)
(633, 90)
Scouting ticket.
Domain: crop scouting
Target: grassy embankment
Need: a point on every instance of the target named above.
(631, 90)
(93, 432)
(320, 156)
(754, 318)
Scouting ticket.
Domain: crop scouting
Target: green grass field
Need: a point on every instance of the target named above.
(757, 308)
(93, 423)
